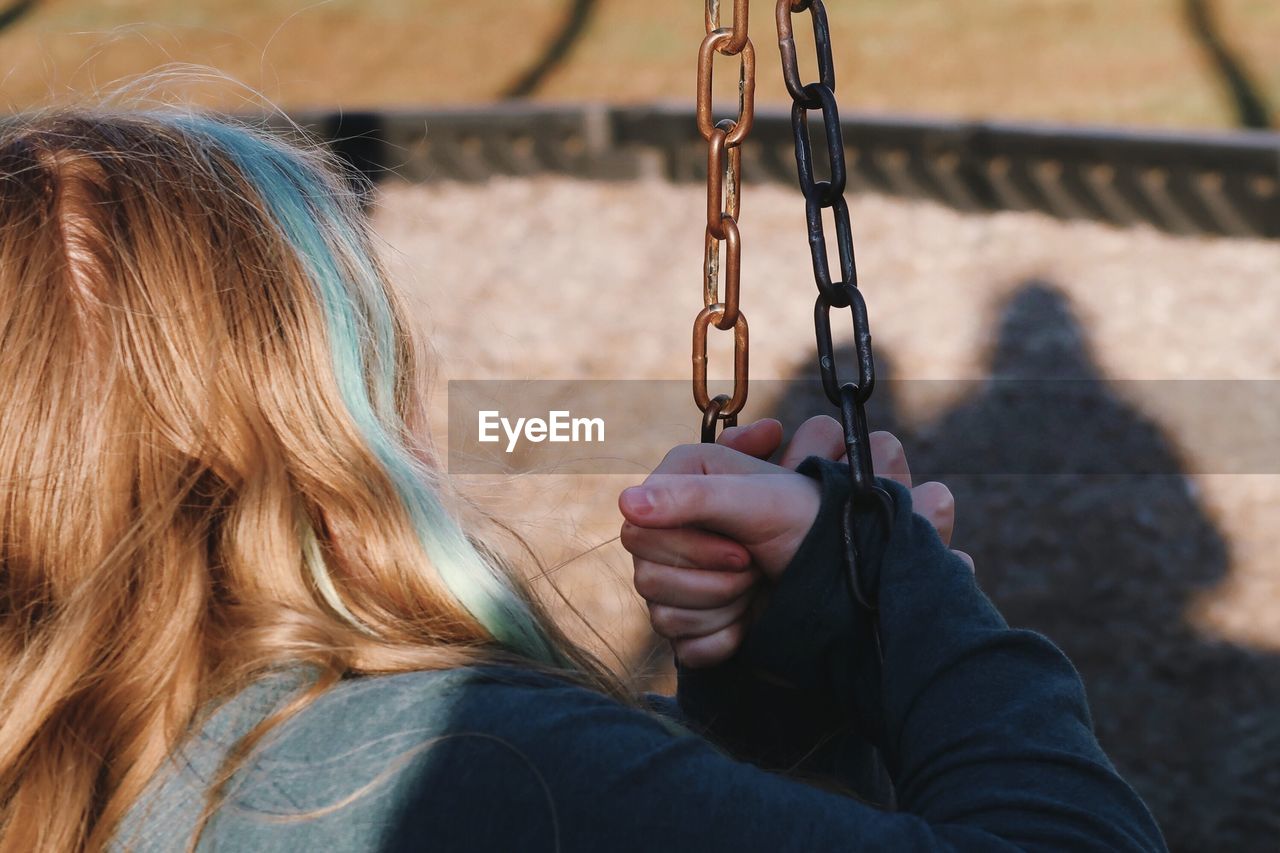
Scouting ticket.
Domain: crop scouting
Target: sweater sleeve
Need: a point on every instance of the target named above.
(787, 700)
(537, 765)
(984, 730)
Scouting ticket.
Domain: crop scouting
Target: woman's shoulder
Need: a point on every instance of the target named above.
(370, 748)
(477, 697)
(370, 719)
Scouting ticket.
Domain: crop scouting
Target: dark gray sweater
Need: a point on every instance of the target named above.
(982, 730)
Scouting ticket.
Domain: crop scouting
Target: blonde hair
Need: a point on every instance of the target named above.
(211, 460)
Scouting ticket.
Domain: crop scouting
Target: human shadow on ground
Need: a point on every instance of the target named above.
(1104, 555)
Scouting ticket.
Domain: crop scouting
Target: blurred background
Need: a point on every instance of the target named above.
(1129, 62)
(1040, 189)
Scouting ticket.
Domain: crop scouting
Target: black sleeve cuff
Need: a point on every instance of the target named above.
(808, 661)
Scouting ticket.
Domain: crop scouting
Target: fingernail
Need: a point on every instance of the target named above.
(638, 499)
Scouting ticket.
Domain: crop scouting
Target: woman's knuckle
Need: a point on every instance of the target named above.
(691, 492)
(665, 620)
(825, 426)
(727, 586)
(888, 442)
(640, 582)
(939, 496)
(679, 453)
(686, 457)
(736, 584)
(739, 607)
(689, 653)
(647, 580)
(725, 642)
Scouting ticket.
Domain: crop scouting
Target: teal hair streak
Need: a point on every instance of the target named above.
(356, 310)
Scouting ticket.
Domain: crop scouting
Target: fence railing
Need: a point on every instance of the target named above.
(1186, 183)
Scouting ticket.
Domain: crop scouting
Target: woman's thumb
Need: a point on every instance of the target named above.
(732, 504)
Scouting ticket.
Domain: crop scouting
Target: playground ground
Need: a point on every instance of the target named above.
(1164, 589)
(1122, 62)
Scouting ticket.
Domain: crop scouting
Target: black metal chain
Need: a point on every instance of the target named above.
(850, 396)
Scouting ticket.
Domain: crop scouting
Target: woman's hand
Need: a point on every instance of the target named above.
(712, 519)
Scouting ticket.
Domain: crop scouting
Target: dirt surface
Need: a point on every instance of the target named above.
(1163, 586)
(1135, 62)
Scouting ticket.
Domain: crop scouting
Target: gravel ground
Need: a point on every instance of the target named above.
(1162, 586)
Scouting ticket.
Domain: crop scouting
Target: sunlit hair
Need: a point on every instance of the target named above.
(212, 460)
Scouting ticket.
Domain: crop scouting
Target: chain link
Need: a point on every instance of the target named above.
(864, 494)
(787, 46)
(849, 396)
(739, 38)
(724, 195)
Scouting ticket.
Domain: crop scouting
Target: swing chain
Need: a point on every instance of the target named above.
(724, 195)
(851, 396)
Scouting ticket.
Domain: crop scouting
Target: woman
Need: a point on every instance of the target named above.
(242, 609)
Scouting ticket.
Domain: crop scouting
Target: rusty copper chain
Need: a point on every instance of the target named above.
(724, 195)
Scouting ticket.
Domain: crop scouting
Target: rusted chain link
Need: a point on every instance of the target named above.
(738, 32)
(724, 196)
(849, 396)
